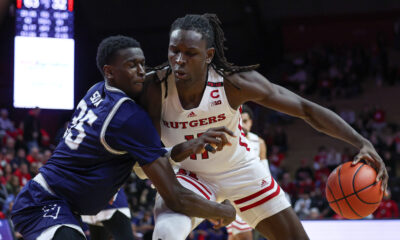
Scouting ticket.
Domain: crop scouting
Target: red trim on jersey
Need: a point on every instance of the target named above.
(241, 130)
(194, 176)
(243, 144)
(193, 183)
(240, 223)
(254, 195)
(269, 197)
(241, 229)
(240, 138)
(217, 84)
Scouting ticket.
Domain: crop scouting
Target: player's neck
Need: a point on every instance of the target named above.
(191, 91)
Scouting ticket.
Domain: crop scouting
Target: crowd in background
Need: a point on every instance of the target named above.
(326, 72)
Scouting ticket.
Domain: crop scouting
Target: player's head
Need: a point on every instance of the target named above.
(121, 61)
(247, 119)
(197, 41)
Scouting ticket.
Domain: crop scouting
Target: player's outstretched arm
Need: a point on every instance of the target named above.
(216, 137)
(182, 200)
(255, 87)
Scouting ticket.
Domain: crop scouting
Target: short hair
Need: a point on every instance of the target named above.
(247, 109)
(109, 46)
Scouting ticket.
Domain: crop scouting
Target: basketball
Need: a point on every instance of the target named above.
(352, 191)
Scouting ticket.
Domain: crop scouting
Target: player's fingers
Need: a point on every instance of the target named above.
(220, 135)
(213, 141)
(210, 147)
(224, 139)
(199, 148)
(385, 178)
(356, 159)
(223, 129)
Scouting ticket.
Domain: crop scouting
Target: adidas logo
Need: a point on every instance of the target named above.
(263, 183)
(192, 114)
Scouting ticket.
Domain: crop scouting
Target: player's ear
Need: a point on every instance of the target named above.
(210, 55)
(108, 73)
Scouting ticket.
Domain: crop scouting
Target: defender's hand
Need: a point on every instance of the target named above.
(223, 221)
(369, 154)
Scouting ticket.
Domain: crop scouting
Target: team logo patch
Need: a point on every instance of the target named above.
(51, 211)
(191, 114)
(215, 103)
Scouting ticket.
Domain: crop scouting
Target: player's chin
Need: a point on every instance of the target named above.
(137, 88)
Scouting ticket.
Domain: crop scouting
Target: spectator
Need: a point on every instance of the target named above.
(33, 155)
(146, 223)
(19, 159)
(314, 214)
(5, 123)
(46, 155)
(388, 208)
(333, 159)
(275, 158)
(32, 134)
(13, 185)
(303, 205)
(319, 202)
(23, 174)
(379, 118)
(280, 139)
(8, 172)
(304, 171)
(10, 145)
(287, 185)
(320, 158)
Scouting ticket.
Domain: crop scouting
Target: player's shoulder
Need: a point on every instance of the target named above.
(252, 136)
(245, 77)
(261, 141)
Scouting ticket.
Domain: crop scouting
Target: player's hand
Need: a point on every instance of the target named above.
(231, 216)
(216, 137)
(369, 154)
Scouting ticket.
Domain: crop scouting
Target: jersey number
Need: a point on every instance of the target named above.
(204, 155)
(77, 124)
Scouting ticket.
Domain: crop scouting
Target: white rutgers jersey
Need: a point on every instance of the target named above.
(178, 125)
(254, 142)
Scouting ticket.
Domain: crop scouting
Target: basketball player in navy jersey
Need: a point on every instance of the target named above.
(199, 88)
(108, 133)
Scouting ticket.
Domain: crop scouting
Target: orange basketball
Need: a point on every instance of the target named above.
(352, 191)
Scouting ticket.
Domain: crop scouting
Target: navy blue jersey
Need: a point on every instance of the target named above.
(108, 133)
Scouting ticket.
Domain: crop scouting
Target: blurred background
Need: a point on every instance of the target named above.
(344, 55)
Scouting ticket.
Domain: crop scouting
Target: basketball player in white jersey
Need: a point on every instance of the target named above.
(239, 229)
(198, 89)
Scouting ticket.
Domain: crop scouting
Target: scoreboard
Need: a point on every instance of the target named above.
(45, 18)
(44, 54)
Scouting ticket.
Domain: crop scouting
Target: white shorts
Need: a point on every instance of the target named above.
(238, 226)
(251, 189)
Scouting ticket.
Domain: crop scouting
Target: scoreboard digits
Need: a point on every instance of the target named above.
(45, 18)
